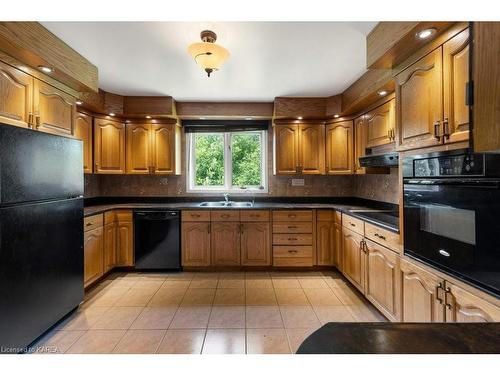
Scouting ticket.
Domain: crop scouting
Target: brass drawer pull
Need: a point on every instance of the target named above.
(224, 216)
(195, 215)
(292, 238)
(379, 236)
(352, 224)
(292, 227)
(292, 251)
(89, 224)
(254, 215)
(292, 215)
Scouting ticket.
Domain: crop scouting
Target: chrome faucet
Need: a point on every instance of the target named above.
(226, 197)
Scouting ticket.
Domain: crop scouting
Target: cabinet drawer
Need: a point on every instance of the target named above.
(325, 215)
(294, 227)
(353, 224)
(109, 217)
(225, 215)
(195, 215)
(124, 215)
(292, 251)
(254, 215)
(382, 236)
(292, 215)
(92, 222)
(292, 239)
(292, 262)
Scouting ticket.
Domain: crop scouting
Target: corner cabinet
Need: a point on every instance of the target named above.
(109, 146)
(83, 131)
(299, 148)
(339, 148)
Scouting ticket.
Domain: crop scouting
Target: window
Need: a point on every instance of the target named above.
(227, 161)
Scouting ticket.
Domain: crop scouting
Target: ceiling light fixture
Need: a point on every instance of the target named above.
(426, 33)
(148, 116)
(207, 54)
(79, 102)
(299, 118)
(382, 93)
(336, 116)
(111, 114)
(45, 69)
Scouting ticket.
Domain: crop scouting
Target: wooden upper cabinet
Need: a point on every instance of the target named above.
(360, 139)
(465, 307)
(54, 110)
(16, 99)
(354, 258)
(379, 124)
(312, 148)
(165, 148)
(455, 77)
(83, 131)
(225, 243)
(109, 146)
(382, 284)
(255, 244)
(195, 243)
(419, 290)
(339, 148)
(419, 103)
(138, 149)
(286, 149)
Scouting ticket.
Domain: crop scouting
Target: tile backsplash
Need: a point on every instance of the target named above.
(379, 187)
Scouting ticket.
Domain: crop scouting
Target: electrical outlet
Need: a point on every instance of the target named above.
(298, 182)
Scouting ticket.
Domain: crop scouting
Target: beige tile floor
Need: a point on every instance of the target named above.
(190, 312)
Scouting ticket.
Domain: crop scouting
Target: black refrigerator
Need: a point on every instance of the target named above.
(41, 233)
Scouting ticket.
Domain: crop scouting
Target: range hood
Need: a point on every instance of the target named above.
(381, 160)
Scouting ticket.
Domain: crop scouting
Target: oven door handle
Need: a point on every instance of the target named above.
(456, 182)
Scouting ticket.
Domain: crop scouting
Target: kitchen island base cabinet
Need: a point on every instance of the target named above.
(255, 244)
(225, 243)
(419, 290)
(195, 244)
(93, 255)
(354, 260)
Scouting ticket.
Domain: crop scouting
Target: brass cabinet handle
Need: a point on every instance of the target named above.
(292, 227)
(292, 251)
(292, 216)
(88, 224)
(195, 215)
(362, 246)
(379, 236)
(30, 120)
(224, 216)
(438, 296)
(352, 224)
(37, 121)
(448, 305)
(437, 130)
(254, 215)
(292, 238)
(446, 128)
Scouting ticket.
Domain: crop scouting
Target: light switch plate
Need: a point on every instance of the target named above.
(298, 182)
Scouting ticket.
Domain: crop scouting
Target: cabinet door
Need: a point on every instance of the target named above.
(54, 109)
(325, 243)
(339, 148)
(225, 243)
(93, 255)
(382, 279)
(455, 77)
(163, 148)
(286, 149)
(419, 98)
(380, 125)
(354, 259)
(255, 244)
(125, 244)
(83, 131)
(109, 246)
(138, 149)
(312, 148)
(419, 290)
(464, 307)
(360, 139)
(109, 146)
(16, 99)
(338, 253)
(195, 243)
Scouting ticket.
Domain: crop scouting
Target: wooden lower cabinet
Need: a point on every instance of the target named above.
(419, 291)
(465, 307)
(93, 255)
(382, 284)
(195, 243)
(124, 239)
(354, 258)
(325, 241)
(110, 230)
(225, 243)
(255, 244)
(338, 257)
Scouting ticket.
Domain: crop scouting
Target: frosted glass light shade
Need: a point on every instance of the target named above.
(209, 56)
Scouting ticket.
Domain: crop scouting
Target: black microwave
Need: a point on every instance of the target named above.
(452, 214)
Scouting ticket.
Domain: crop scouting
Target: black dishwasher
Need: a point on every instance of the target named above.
(157, 240)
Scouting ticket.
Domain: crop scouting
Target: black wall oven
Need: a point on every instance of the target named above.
(452, 214)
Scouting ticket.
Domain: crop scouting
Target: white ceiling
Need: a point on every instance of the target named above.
(267, 59)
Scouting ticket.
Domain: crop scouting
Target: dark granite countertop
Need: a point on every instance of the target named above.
(403, 338)
(98, 205)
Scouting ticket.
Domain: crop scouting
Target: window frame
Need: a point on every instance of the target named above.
(228, 166)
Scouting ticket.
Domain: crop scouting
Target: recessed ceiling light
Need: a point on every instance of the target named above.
(202, 118)
(79, 102)
(127, 121)
(111, 114)
(248, 118)
(299, 118)
(426, 33)
(45, 69)
(382, 93)
(336, 116)
(148, 116)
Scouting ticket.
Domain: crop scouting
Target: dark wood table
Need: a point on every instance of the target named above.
(403, 338)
